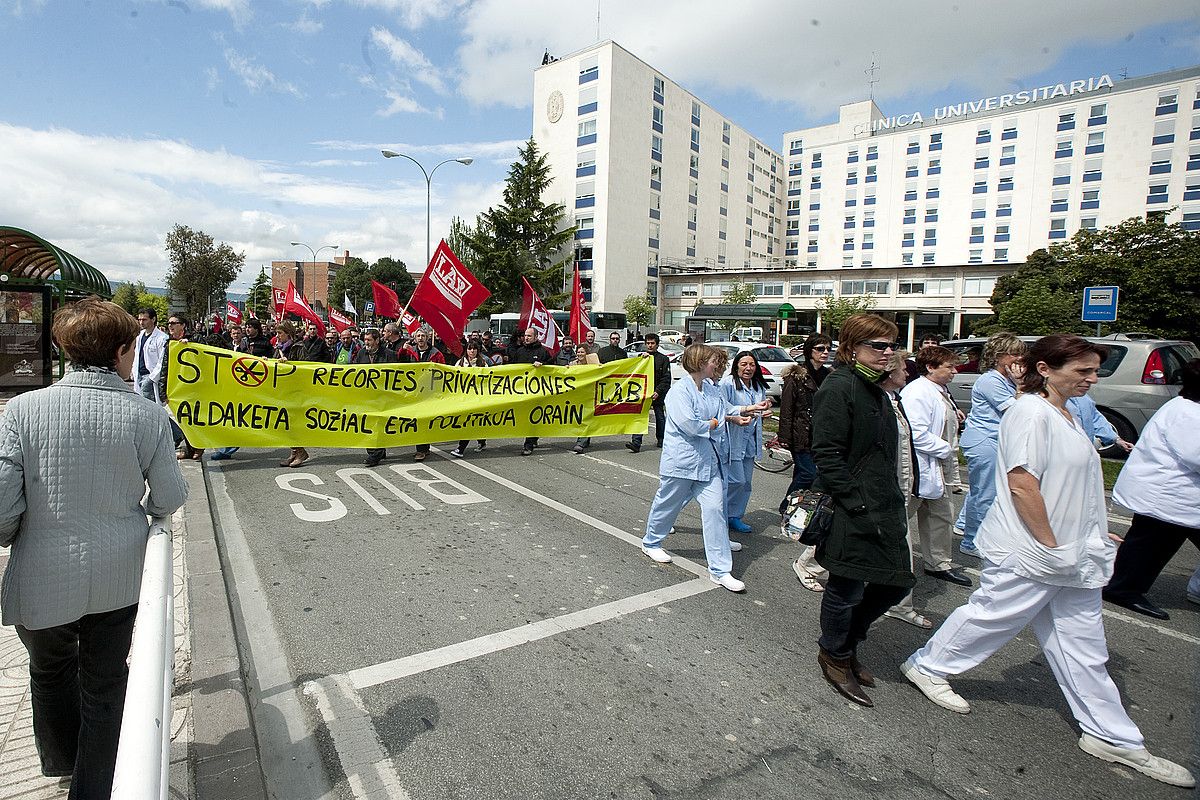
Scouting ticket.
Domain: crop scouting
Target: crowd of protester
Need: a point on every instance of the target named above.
(877, 432)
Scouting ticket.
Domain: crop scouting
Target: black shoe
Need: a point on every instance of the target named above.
(633, 448)
(457, 453)
(1140, 604)
(373, 461)
(658, 444)
(952, 575)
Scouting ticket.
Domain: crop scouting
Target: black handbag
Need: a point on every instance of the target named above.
(807, 516)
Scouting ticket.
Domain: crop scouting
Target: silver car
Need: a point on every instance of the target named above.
(1139, 375)
(772, 359)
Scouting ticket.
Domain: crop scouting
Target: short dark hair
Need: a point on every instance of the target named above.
(92, 332)
(1189, 376)
(1055, 350)
(930, 336)
(652, 337)
(936, 356)
(150, 312)
(254, 323)
(812, 342)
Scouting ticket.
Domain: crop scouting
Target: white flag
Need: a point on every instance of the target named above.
(349, 306)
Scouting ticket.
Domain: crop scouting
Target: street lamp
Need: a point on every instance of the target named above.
(466, 161)
(333, 247)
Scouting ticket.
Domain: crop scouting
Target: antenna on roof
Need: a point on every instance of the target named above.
(1124, 73)
(871, 79)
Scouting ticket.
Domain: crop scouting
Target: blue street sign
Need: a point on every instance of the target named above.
(1100, 303)
(368, 307)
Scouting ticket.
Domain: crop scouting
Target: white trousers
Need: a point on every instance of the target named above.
(1068, 626)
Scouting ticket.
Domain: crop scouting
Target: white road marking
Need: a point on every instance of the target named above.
(369, 770)
(573, 513)
(634, 470)
(396, 669)
(1137, 621)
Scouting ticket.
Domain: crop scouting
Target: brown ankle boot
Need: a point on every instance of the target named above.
(839, 673)
(287, 461)
(865, 676)
(301, 455)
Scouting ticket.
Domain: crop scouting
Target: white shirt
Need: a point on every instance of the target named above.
(1161, 479)
(926, 411)
(156, 345)
(1035, 435)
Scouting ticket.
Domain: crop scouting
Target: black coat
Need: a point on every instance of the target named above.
(529, 353)
(662, 375)
(380, 356)
(854, 447)
(611, 353)
(313, 349)
(259, 346)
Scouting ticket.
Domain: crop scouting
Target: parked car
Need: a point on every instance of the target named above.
(772, 358)
(670, 349)
(1139, 375)
(670, 335)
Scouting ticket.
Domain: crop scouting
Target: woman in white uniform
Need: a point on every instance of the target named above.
(690, 468)
(743, 386)
(1046, 555)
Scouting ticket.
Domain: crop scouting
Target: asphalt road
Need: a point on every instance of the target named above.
(489, 629)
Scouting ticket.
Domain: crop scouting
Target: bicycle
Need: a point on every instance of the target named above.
(776, 457)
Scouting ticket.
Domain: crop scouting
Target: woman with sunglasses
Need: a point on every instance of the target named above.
(855, 450)
(800, 384)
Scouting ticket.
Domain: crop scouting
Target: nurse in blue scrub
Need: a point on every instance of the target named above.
(690, 469)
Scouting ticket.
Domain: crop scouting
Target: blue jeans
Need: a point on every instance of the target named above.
(673, 494)
(981, 467)
(804, 473)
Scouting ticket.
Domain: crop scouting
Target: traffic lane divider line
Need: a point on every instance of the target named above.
(573, 513)
(620, 466)
(1141, 623)
(396, 669)
(369, 770)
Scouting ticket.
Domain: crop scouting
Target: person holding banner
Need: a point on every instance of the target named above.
(472, 358)
(583, 357)
(531, 351)
(257, 344)
(373, 352)
(289, 348)
(697, 415)
(422, 350)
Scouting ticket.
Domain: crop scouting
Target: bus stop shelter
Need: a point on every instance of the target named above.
(768, 316)
(36, 277)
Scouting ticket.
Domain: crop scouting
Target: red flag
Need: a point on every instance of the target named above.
(339, 320)
(387, 304)
(252, 314)
(410, 321)
(578, 326)
(233, 313)
(280, 296)
(296, 304)
(534, 315)
(447, 295)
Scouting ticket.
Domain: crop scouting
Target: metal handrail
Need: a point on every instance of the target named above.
(143, 754)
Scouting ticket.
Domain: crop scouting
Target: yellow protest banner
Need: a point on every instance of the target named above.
(225, 399)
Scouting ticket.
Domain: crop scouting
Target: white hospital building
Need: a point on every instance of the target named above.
(924, 209)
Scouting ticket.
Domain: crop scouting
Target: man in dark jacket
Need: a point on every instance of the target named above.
(256, 343)
(531, 351)
(421, 350)
(392, 340)
(373, 352)
(613, 350)
(662, 383)
(313, 347)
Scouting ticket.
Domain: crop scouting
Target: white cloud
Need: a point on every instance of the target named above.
(258, 78)
(111, 201)
(811, 55)
(409, 58)
(414, 13)
(504, 151)
(304, 25)
(238, 10)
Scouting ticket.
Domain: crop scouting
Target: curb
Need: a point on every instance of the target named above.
(224, 750)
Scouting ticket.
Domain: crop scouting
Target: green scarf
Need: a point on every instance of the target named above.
(874, 376)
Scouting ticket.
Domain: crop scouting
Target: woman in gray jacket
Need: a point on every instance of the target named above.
(75, 462)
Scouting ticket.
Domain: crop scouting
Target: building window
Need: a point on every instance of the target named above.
(656, 118)
(910, 216)
(1058, 201)
(931, 214)
(1092, 171)
(868, 219)
(659, 89)
(976, 234)
(935, 167)
(872, 152)
(1191, 190)
(980, 186)
(983, 136)
(1003, 208)
(852, 155)
(587, 127)
(1160, 162)
(695, 113)
(932, 190)
(1002, 233)
(1063, 148)
(1087, 223)
(907, 239)
(1010, 130)
(1091, 199)
(1001, 256)
(696, 139)
(1168, 102)
(866, 287)
(1095, 143)
(849, 221)
(930, 238)
(816, 160)
(981, 159)
(1006, 183)
(795, 147)
(1058, 228)
(1098, 115)
(906, 259)
(910, 170)
(975, 257)
(1066, 121)
(852, 177)
(927, 258)
(1008, 155)
(935, 141)
(589, 69)
(1158, 193)
(914, 145)
(979, 208)
(982, 287)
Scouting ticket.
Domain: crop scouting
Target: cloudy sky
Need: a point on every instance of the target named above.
(261, 122)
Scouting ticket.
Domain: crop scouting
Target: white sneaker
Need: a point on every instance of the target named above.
(936, 689)
(657, 554)
(1160, 769)
(734, 547)
(729, 582)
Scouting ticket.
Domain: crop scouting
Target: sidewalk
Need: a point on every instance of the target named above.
(20, 772)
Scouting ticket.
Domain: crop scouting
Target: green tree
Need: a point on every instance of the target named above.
(393, 273)
(199, 268)
(155, 301)
(1155, 264)
(354, 279)
(836, 310)
(459, 241)
(260, 299)
(638, 309)
(126, 296)
(522, 236)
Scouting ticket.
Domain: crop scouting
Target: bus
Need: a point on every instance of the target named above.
(604, 323)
